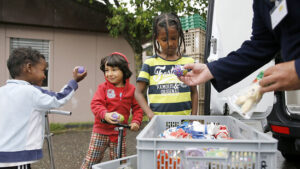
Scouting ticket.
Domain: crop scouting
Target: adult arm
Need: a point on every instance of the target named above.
(253, 54)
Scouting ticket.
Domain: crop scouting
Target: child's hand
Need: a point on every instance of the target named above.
(150, 115)
(78, 76)
(134, 127)
(108, 117)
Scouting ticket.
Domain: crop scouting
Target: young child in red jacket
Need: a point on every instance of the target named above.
(114, 95)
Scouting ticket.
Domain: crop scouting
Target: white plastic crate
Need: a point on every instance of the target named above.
(199, 58)
(201, 107)
(249, 148)
(194, 41)
(130, 162)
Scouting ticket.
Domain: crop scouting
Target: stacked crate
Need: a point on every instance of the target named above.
(193, 22)
(194, 28)
(195, 43)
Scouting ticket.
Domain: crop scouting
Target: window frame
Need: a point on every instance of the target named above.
(35, 40)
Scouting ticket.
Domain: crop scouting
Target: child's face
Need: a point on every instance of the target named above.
(171, 49)
(114, 75)
(37, 73)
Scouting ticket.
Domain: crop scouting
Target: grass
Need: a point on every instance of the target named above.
(57, 128)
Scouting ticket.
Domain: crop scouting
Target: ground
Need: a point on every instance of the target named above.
(70, 149)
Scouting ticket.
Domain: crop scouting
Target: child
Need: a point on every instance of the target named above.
(114, 95)
(166, 94)
(23, 104)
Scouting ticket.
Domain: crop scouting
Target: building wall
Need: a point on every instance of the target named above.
(3, 69)
(69, 48)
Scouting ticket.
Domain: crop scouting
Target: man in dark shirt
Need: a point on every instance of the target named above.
(265, 42)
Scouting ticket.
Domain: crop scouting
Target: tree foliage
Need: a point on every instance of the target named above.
(136, 25)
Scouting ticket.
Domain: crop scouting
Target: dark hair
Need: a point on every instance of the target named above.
(116, 60)
(166, 20)
(21, 56)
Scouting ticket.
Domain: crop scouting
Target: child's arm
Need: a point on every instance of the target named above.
(194, 97)
(45, 100)
(79, 76)
(139, 96)
(137, 116)
(98, 103)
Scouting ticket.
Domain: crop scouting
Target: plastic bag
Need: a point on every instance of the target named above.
(246, 100)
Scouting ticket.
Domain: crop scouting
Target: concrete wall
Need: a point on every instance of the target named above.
(3, 69)
(69, 48)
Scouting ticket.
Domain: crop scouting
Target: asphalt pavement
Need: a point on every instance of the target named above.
(70, 148)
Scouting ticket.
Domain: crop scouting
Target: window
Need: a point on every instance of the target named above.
(293, 102)
(41, 45)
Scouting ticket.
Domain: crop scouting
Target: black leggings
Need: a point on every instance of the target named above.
(26, 166)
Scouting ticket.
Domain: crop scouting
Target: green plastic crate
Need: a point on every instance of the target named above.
(193, 22)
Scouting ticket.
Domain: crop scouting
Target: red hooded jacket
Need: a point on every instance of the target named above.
(109, 98)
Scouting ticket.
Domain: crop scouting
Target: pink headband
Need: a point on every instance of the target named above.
(121, 54)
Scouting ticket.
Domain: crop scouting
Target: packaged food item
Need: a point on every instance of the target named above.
(221, 132)
(168, 159)
(220, 152)
(245, 101)
(198, 154)
(196, 130)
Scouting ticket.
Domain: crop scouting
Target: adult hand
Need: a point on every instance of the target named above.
(79, 76)
(199, 74)
(280, 77)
